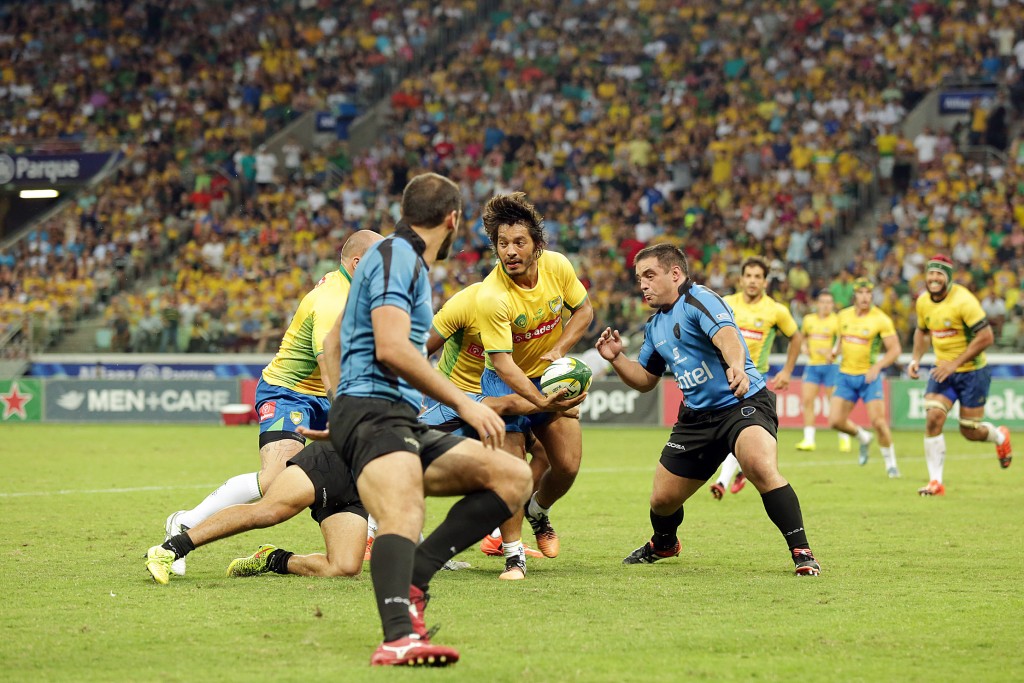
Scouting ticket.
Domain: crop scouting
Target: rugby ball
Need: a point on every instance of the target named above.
(566, 372)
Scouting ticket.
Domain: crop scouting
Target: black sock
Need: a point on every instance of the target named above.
(783, 508)
(181, 545)
(278, 561)
(391, 572)
(665, 528)
(467, 522)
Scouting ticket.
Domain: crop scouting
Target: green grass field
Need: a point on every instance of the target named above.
(911, 589)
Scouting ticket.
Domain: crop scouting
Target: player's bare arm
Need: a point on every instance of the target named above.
(922, 341)
(574, 330)
(514, 404)
(330, 359)
(391, 328)
(634, 375)
(982, 340)
(781, 380)
(727, 340)
(434, 342)
(330, 369)
(512, 375)
(892, 352)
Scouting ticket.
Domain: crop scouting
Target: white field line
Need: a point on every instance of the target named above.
(136, 489)
(787, 464)
(586, 470)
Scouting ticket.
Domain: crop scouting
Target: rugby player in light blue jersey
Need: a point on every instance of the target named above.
(726, 406)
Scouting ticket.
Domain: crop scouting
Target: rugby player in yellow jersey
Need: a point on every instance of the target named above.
(952, 320)
(455, 332)
(820, 330)
(292, 392)
(758, 317)
(519, 313)
(863, 330)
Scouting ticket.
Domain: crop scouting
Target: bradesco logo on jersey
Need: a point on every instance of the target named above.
(542, 330)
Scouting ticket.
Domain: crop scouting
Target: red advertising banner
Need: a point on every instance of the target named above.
(787, 405)
(248, 390)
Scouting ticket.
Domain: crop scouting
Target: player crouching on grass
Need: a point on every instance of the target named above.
(727, 409)
(316, 478)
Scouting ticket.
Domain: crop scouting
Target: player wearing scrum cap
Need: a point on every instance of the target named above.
(951, 320)
(863, 331)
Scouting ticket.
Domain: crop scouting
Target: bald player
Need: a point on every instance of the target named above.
(292, 391)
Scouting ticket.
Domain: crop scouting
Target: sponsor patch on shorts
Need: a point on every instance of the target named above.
(267, 410)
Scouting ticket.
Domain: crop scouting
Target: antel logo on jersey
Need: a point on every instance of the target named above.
(688, 379)
(944, 334)
(855, 340)
(753, 335)
(475, 350)
(544, 329)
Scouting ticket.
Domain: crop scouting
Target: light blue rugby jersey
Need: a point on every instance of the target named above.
(680, 339)
(391, 273)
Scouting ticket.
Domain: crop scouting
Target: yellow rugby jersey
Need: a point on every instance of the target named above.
(295, 366)
(462, 356)
(953, 323)
(821, 334)
(860, 338)
(527, 322)
(758, 322)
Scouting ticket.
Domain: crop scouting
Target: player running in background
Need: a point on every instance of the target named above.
(454, 331)
(316, 478)
(519, 313)
(727, 407)
(951, 319)
(821, 331)
(292, 391)
(758, 317)
(863, 330)
(395, 459)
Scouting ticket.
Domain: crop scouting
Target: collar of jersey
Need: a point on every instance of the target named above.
(684, 289)
(410, 236)
(344, 273)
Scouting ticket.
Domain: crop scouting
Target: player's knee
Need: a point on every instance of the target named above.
(664, 503)
(834, 422)
(934, 422)
(340, 569)
(515, 484)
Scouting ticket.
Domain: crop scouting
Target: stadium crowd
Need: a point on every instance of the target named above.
(727, 128)
(189, 91)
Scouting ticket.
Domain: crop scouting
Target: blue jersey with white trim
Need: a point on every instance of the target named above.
(391, 273)
(680, 339)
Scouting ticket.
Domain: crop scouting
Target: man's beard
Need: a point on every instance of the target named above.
(446, 246)
(936, 298)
